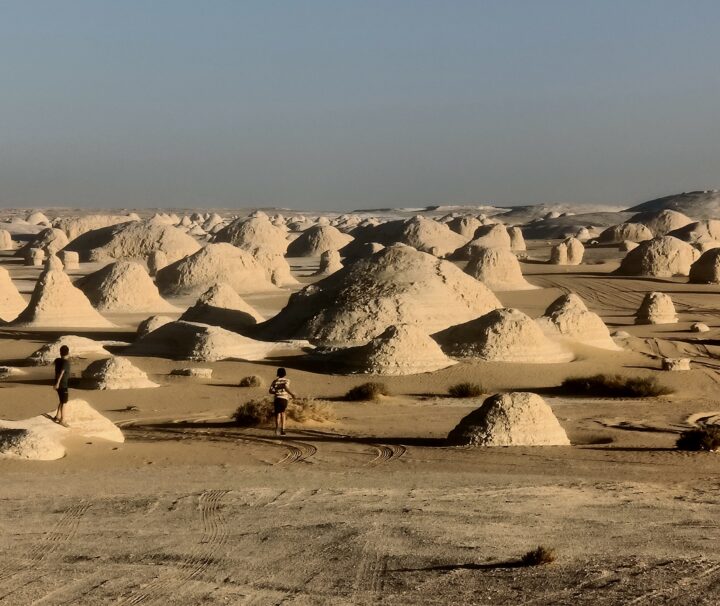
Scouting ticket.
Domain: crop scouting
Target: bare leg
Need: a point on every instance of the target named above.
(282, 423)
(277, 423)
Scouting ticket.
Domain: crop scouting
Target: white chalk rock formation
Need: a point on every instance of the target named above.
(77, 226)
(627, 246)
(698, 232)
(123, 286)
(517, 241)
(569, 318)
(115, 373)
(156, 260)
(211, 265)
(199, 342)
(70, 259)
(487, 236)
(700, 327)
(662, 222)
(133, 240)
(40, 439)
(656, 308)
(465, 226)
(316, 240)
(706, 270)
(221, 305)
(80, 347)
(35, 257)
(54, 262)
(503, 335)
(427, 235)
(400, 350)
(37, 218)
(56, 303)
(11, 301)
(635, 232)
(510, 419)
(676, 364)
(497, 268)
(575, 251)
(50, 240)
(6, 241)
(662, 257)
(398, 285)
(329, 263)
(152, 323)
(559, 254)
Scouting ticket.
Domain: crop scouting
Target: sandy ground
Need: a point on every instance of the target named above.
(372, 507)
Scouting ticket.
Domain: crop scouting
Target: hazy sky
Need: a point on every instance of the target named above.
(356, 104)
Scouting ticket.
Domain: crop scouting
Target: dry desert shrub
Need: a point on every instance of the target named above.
(616, 386)
(253, 412)
(704, 438)
(538, 557)
(367, 391)
(259, 411)
(251, 381)
(465, 390)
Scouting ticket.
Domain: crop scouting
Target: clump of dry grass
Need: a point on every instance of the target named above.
(367, 391)
(260, 411)
(616, 386)
(704, 438)
(465, 390)
(253, 412)
(251, 381)
(539, 556)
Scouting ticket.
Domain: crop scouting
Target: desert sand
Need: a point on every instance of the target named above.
(373, 505)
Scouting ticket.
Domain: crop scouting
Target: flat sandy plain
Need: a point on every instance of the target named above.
(373, 508)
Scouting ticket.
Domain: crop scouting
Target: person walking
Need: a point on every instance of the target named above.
(280, 388)
(62, 381)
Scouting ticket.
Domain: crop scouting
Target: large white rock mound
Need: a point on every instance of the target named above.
(123, 286)
(211, 265)
(329, 263)
(656, 308)
(56, 303)
(115, 373)
(662, 257)
(398, 285)
(49, 240)
(221, 305)
(316, 240)
(699, 232)
(77, 226)
(6, 241)
(662, 222)
(465, 226)
(11, 301)
(510, 419)
(635, 232)
(706, 270)
(487, 236)
(429, 236)
(80, 347)
(568, 317)
(497, 268)
(517, 240)
(503, 335)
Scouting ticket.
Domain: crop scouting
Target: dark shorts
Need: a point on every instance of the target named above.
(63, 395)
(280, 405)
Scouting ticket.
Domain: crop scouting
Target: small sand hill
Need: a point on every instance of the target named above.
(497, 268)
(329, 263)
(6, 241)
(661, 222)
(76, 226)
(315, 240)
(699, 232)
(398, 285)
(466, 226)
(487, 236)
(399, 350)
(706, 270)
(11, 301)
(662, 257)
(568, 317)
(266, 242)
(50, 240)
(115, 373)
(656, 308)
(211, 265)
(152, 323)
(56, 303)
(635, 232)
(199, 342)
(221, 305)
(80, 348)
(40, 439)
(430, 236)
(510, 419)
(133, 240)
(123, 286)
(503, 335)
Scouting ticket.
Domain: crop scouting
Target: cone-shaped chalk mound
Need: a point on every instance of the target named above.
(568, 317)
(316, 240)
(503, 335)
(497, 268)
(656, 308)
(115, 373)
(329, 263)
(11, 301)
(487, 236)
(662, 257)
(56, 303)
(221, 306)
(80, 347)
(400, 350)
(706, 270)
(510, 419)
(123, 286)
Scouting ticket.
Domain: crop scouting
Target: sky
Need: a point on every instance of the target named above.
(340, 104)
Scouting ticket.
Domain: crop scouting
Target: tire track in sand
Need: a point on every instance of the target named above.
(52, 541)
(203, 555)
(387, 453)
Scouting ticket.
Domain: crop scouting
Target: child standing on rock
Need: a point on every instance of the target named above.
(280, 388)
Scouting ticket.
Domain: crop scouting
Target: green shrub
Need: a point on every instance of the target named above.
(465, 390)
(616, 386)
(251, 381)
(367, 391)
(538, 557)
(704, 438)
